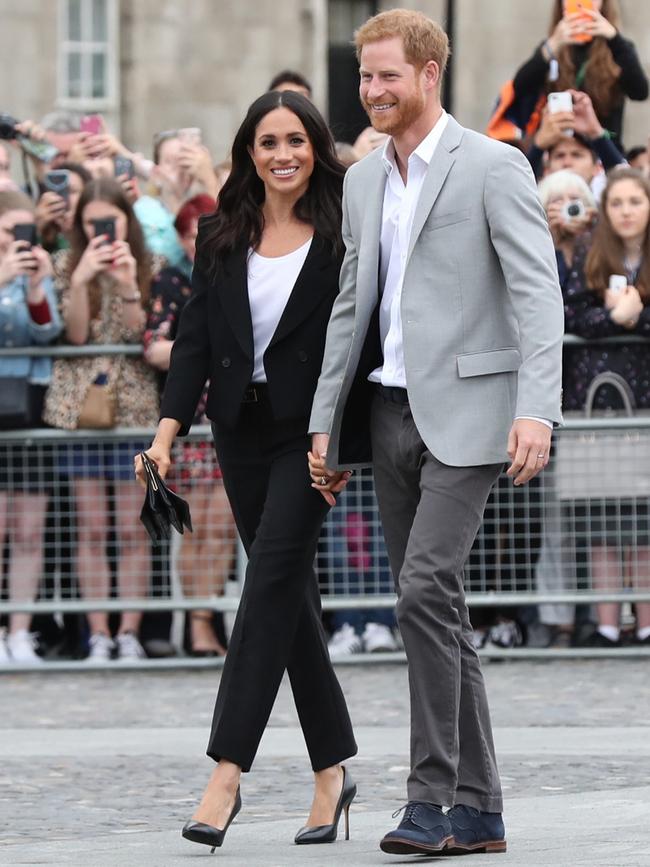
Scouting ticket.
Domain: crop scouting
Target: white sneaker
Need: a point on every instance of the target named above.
(5, 659)
(129, 648)
(378, 638)
(100, 649)
(344, 642)
(22, 647)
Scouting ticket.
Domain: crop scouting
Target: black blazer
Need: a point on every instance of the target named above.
(215, 341)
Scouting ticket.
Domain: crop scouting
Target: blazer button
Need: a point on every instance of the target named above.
(302, 355)
(225, 362)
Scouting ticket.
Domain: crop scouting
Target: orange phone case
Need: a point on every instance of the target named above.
(571, 7)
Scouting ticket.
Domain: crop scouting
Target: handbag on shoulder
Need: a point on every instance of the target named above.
(604, 463)
(99, 408)
(162, 508)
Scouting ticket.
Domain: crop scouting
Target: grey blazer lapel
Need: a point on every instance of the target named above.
(443, 160)
(373, 195)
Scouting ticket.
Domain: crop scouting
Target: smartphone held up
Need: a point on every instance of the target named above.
(579, 7)
(560, 100)
(106, 227)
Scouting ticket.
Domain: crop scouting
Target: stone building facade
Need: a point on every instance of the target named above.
(149, 65)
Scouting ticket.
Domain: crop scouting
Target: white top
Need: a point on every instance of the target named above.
(400, 202)
(270, 283)
(398, 210)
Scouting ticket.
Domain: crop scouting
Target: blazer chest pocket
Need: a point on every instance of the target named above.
(439, 221)
(492, 361)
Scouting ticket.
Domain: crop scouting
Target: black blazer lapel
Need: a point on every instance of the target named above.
(318, 273)
(233, 297)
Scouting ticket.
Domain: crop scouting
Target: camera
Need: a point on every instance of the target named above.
(7, 126)
(573, 210)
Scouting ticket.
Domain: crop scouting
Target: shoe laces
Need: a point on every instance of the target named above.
(410, 810)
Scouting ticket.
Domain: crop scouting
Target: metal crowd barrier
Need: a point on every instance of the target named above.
(533, 549)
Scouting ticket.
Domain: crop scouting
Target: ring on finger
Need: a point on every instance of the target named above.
(323, 481)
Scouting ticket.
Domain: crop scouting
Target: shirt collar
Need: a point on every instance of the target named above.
(424, 151)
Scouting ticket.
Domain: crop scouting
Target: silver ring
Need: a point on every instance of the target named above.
(323, 481)
(541, 456)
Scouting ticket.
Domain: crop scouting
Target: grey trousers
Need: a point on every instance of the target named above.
(431, 514)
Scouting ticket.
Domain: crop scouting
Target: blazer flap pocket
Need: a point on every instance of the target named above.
(437, 221)
(492, 361)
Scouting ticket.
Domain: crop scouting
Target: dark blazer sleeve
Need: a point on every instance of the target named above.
(190, 359)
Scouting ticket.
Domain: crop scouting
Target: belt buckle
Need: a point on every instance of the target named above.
(250, 395)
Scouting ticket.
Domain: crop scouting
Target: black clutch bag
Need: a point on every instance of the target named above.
(162, 508)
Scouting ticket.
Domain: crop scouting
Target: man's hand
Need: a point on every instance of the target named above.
(529, 445)
(586, 120)
(319, 471)
(552, 128)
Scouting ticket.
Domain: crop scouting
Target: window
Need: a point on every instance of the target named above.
(88, 53)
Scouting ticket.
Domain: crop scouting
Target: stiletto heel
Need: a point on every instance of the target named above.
(328, 833)
(199, 832)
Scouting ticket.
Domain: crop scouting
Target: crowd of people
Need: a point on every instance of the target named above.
(97, 248)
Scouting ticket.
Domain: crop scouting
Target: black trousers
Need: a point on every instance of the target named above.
(278, 625)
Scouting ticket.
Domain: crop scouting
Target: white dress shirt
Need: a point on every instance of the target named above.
(398, 210)
(270, 283)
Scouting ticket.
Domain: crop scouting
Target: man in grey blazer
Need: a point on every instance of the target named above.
(445, 345)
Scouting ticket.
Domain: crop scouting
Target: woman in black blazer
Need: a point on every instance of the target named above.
(264, 281)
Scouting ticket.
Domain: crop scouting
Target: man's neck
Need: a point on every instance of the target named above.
(405, 143)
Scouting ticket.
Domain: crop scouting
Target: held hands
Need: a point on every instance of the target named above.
(318, 470)
(529, 446)
(625, 306)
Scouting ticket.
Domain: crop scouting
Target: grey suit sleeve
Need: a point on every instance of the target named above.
(339, 334)
(521, 238)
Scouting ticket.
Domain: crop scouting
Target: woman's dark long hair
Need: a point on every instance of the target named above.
(607, 253)
(238, 221)
(110, 191)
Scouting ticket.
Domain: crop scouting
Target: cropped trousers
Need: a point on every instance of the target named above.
(278, 625)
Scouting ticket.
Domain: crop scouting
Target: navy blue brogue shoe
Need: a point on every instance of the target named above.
(424, 829)
(475, 831)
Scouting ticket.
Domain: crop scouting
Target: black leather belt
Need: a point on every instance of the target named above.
(254, 393)
(393, 394)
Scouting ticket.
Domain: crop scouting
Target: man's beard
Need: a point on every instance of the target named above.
(398, 119)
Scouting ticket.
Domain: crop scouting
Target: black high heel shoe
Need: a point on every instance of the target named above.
(198, 832)
(327, 833)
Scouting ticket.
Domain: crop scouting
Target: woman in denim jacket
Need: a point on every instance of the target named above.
(28, 317)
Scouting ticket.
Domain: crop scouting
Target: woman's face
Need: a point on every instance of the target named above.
(7, 222)
(169, 154)
(188, 241)
(282, 153)
(559, 200)
(628, 209)
(104, 211)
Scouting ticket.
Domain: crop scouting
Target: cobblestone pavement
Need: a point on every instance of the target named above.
(110, 793)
